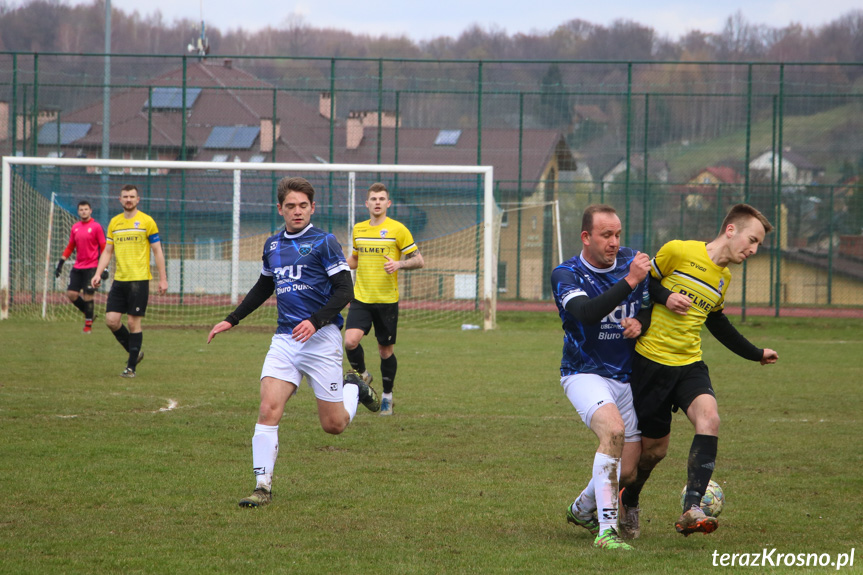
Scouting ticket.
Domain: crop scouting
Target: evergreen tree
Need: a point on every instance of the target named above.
(554, 107)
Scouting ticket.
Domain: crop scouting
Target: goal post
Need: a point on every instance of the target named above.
(213, 218)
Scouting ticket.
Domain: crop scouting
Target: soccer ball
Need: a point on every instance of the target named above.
(713, 500)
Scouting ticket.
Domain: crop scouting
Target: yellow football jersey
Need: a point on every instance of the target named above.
(131, 239)
(683, 267)
(371, 246)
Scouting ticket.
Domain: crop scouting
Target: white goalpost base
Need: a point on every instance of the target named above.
(214, 216)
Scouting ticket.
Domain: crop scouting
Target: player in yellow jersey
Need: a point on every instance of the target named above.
(667, 371)
(381, 247)
(132, 235)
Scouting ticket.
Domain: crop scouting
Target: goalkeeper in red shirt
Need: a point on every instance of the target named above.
(88, 240)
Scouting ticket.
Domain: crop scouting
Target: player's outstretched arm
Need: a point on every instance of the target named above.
(723, 330)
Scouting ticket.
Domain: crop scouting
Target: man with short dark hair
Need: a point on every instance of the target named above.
(88, 241)
(668, 372)
(381, 247)
(599, 293)
(306, 268)
(132, 235)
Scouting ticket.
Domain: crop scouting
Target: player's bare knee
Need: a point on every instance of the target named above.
(652, 455)
(627, 475)
(386, 351)
(611, 442)
(334, 426)
(708, 424)
(270, 413)
(615, 437)
(650, 460)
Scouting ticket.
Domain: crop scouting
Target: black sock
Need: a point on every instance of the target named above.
(122, 336)
(80, 304)
(388, 372)
(699, 469)
(135, 340)
(88, 310)
(632, 491)
(357, 358)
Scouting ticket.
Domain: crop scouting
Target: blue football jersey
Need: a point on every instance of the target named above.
(301, 265)
(596, 348)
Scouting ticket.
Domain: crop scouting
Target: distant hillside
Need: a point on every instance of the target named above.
(826, 138)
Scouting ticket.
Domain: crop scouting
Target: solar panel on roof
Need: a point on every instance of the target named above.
(171, 98)
(232, 137)
(69, 132)
(447, 138)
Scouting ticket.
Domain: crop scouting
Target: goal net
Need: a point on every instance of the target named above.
(214, 218)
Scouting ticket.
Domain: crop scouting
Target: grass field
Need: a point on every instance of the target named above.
(472, 475)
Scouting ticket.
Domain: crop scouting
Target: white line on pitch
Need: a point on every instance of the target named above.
(171, 405)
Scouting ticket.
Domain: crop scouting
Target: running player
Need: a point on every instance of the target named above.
(381, 247)
(306, 268)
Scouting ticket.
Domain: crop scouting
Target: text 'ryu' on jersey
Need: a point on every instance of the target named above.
(301, 266)
(597, 348)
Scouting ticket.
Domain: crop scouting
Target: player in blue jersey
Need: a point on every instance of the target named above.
(598, 295)
(307, 269)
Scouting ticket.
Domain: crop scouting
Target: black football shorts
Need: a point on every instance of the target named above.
(384, 317)
(129, 297)
(658, 390)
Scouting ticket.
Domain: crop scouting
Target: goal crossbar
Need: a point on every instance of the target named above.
(486, 172)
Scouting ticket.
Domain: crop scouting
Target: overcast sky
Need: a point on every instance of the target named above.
(425, 20)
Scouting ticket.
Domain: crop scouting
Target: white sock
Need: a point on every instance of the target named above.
(606, 479)
(265, 450)
(388, 396)
(351, 397)
(585, 504)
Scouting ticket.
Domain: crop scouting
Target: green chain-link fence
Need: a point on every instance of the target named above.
(670, 144)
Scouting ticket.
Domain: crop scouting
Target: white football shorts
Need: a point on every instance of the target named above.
(588, 392)
(319, 359)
